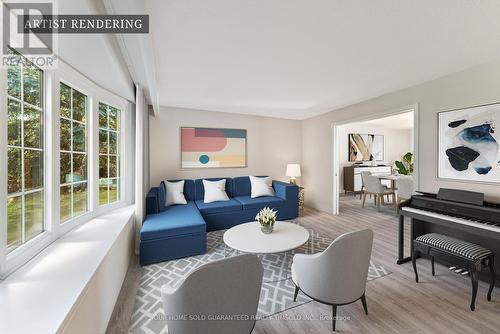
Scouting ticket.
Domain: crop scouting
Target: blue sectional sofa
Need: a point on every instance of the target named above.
(180, 230)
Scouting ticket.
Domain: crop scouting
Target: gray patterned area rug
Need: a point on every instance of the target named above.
(277, 287)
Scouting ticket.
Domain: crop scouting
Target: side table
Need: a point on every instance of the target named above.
(301, 199)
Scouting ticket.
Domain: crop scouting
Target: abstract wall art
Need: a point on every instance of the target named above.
(469, 144)
(213, 148)
(366, 147)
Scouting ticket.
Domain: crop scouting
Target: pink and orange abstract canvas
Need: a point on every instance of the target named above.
(213, 148)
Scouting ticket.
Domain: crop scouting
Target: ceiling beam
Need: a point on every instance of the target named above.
(135, 49)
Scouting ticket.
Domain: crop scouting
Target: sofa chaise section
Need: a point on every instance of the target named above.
(171, 232)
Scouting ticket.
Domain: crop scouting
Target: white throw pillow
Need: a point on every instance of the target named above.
(261, 186)
(174, 193)
(215, 191)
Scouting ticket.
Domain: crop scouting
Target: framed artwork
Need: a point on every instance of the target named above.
(366, 147)
(469, 144)
(213, 148)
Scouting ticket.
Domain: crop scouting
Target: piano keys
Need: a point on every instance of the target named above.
(468, 224)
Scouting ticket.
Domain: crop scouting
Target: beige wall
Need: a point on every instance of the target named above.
(271, 143)
(475, 86)
(396, 143)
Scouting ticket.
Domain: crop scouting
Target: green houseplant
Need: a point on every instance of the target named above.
(405, 166)
(266, 217)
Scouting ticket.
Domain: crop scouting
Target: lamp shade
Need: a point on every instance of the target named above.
(293, 170)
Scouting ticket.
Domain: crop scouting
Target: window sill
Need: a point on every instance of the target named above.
(39, 296)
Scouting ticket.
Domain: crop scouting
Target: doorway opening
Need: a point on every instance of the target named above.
(373, 144)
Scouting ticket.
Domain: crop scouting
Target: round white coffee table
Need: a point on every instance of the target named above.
(248, 238)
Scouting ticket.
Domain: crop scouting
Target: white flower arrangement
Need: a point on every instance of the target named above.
(266, 216)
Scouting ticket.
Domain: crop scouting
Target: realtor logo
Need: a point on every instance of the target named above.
(29, 28)
(37, 48)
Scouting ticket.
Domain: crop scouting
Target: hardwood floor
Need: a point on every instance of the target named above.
(122, 313)
(396, 304)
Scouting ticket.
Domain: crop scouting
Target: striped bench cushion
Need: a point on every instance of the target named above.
(463, 248)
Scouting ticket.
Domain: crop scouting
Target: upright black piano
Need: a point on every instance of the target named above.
(460, 214)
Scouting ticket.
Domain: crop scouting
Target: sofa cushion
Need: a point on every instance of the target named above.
(152, 201)
(219, 207)
(200, 190)
(162, 195)
(174, 193)
(188, 188)
(242, 186)
(174, 220)
(214, 191)
(188, 192)
(260, 202)
(261, 186)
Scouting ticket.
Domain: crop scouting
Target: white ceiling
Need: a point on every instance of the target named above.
(296, 59)
(396, 122)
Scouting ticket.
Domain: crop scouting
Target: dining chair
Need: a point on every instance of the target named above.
(217, 290)
(374, 187)
(363, 175)
(405, 188)
(337, 276)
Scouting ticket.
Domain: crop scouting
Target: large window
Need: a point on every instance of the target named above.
(58, 169)
(25, 152)
(109, 158)
(73, 153)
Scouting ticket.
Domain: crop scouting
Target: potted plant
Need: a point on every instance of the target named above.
(266, 217)
(405, 167)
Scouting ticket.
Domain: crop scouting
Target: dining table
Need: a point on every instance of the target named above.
(392, 177)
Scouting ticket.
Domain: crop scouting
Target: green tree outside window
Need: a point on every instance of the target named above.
(109, 154)
(73, 153)
(25, 152)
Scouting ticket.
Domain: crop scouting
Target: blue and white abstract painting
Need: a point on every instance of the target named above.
(469, 144)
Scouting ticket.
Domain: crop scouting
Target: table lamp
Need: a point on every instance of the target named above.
(293, 170)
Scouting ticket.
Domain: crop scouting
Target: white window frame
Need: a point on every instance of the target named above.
(11, 260)
(121, 150)
(53, 228)
(72, 152)
(23, 192)
(75, 80)
(125, 150)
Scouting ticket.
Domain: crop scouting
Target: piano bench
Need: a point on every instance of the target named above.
(476, 257)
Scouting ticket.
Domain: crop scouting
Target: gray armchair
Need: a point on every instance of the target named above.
(218, 290)
(336, 276)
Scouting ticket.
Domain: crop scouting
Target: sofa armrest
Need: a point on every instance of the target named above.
(287, 191)
(152, 205)
(290, 193)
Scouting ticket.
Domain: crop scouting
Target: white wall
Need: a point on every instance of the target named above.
(475, 86)
(93, 309)
(271, 143)
(396, 143)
